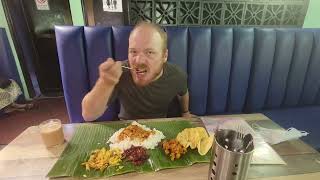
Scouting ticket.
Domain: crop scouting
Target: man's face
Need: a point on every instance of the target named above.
(146, 55)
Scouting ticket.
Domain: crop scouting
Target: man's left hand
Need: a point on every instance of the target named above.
(188, 115)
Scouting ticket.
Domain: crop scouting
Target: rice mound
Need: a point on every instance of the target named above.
(150, 143)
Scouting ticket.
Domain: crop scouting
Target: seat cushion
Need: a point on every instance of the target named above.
(302, 118)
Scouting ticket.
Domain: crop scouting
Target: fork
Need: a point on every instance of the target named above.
(248, 145)
(126, 67)
(238, 142)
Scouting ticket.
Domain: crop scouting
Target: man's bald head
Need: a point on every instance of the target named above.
(154, 27)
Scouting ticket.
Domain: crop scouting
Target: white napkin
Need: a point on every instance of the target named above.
(275, 136)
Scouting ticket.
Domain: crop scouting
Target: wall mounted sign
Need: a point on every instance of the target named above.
(112, 5)
(42, 4)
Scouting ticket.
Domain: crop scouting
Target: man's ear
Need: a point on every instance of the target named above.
(165, 56)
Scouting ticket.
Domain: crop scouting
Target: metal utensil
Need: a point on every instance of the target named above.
(126, 67)
(247, 142)
(238, 142)
(248, 145)
(225, 163)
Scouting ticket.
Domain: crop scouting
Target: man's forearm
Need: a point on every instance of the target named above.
(184, 102)
(95, 102)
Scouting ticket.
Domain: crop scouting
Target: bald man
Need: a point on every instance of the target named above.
(144, 91)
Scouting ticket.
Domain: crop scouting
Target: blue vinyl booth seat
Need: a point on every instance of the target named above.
(8, 69)
(230, 70)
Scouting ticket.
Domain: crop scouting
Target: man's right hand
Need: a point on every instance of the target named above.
(110, 71)
(95, 102)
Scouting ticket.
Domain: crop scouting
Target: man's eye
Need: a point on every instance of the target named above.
(150, 52)
(132, 52)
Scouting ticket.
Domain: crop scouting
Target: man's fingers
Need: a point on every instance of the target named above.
(107, 64)
(119, 63)
(116, 66)
(111, 66)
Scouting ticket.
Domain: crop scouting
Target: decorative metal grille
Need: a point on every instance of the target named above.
(219, 12)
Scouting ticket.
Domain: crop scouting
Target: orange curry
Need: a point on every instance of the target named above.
(134, 132)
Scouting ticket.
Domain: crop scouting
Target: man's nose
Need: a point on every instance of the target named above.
(139, 58)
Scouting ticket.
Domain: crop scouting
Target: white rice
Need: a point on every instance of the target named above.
(150, 143)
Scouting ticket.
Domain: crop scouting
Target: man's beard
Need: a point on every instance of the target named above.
(144, 82)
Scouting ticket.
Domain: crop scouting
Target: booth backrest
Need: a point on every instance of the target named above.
(230, 70)
(8, 68)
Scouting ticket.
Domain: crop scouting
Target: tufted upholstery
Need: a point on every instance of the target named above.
(8, 67)
(230, 70)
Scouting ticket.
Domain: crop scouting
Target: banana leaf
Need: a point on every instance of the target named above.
(89, 137)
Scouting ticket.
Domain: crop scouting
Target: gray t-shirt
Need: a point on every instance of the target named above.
(150, 101)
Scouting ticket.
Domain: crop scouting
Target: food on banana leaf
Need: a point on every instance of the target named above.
(195, 138)
(137, 155)
(135, 135)
(100, 159)
(89, 136)
(205, 144)
(173, 148)
(134, 132)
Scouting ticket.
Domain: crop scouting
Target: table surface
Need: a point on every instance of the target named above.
(27, 158)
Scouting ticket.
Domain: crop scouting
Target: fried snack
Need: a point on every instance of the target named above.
(183, 138)
(204, 145)
(173, 148)
(100, 159)
(195, 138)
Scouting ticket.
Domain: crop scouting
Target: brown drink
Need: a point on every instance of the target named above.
(51, 132)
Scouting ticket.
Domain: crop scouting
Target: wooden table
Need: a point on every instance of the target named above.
(27, 158)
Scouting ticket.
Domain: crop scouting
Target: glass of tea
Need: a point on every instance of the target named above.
(51, 132)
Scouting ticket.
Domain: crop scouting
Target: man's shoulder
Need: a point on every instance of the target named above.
(175, 69)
